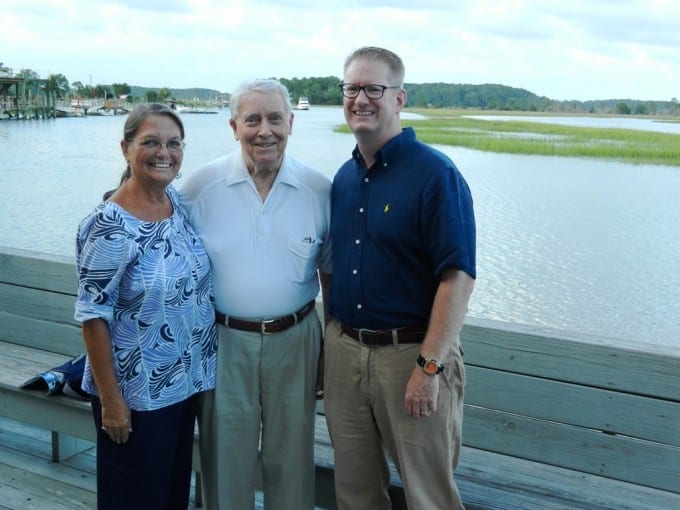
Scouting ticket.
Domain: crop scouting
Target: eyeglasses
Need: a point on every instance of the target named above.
(372, 91)
(154, 145)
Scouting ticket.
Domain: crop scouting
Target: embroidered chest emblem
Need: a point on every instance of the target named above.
(387, 208)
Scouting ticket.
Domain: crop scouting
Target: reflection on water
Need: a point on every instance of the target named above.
(574, 244)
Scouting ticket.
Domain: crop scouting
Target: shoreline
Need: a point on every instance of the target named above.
(469, 129)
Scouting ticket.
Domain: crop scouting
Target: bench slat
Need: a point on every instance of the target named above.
(37, 304)
(581, 359)
(39, 270)
(58, 413)
(493, 481)
(573, 404)
(591, 451)
(63, 339)
(19, 363)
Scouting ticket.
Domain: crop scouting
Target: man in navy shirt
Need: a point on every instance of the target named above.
(403, 231)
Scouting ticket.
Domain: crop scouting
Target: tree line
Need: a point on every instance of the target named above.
(325, 91)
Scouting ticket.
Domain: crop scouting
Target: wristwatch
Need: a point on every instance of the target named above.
(430, 366)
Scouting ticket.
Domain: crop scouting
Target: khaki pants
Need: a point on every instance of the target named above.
(264, 398)
(365, 389)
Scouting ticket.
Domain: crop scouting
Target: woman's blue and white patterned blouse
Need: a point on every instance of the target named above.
(151, 282)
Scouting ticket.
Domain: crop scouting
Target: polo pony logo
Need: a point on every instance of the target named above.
(387, 207)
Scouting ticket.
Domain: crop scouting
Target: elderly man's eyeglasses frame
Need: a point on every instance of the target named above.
(154, 145)
(372, 91)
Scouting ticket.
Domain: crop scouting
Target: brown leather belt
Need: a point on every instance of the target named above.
(375, 338)
(266, 326)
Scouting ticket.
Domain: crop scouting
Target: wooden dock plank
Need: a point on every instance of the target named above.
(28, 481)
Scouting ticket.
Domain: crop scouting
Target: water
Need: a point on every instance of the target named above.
(573, 244)
(645, 124)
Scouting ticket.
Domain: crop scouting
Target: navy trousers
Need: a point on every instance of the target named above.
(153, 469)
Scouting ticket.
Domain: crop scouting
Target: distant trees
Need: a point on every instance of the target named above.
(318, 90)
(31, 82)
(55, 86)
(164, 94)
(325, 91)
(485, 96)
(121, 89)
(151, 96)
(103, 91)
(622, 108)
(427, 95)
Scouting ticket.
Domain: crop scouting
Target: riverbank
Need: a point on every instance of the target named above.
(489, 132)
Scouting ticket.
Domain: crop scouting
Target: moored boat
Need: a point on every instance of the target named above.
(194, 109)
(303, 103)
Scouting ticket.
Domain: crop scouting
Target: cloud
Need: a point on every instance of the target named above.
(561, 49)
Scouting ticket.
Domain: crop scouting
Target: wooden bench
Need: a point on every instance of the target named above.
(37, 333)
(552, 420)
(559, 421)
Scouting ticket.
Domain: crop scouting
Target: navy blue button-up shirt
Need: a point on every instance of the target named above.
(395, 228)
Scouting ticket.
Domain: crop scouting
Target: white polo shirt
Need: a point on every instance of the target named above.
(264, 254)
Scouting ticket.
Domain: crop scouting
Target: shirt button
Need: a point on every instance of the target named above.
(361, 209)
(357, 241)
(366, 179)
(359, 306)
(354, 271)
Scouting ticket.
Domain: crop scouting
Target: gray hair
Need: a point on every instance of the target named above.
(390, 58)
(268, 86)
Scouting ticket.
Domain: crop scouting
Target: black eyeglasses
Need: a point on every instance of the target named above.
(372, 91)
(154, 145)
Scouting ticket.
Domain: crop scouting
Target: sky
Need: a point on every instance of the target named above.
(563, 50)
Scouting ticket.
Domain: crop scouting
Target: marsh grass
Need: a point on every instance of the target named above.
(448, 127)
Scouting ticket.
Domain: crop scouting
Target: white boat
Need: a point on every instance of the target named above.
(101, 111)
(66, 111)
(195, 109)
(303, 103)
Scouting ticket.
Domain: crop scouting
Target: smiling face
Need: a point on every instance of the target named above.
(373, 121)
(262, 127)
(155, 165)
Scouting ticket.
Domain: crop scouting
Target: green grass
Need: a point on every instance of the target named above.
(448, 127)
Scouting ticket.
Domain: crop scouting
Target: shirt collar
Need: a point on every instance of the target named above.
(390, 151)
(238, 172)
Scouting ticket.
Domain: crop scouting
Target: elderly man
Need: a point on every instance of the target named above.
(264, 219)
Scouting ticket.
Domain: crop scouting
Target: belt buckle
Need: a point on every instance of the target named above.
(263, 326)
(361, 332)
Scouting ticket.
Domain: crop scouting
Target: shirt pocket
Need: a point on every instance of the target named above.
(304, 259)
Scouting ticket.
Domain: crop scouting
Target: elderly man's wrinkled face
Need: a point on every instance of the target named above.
(262, 127)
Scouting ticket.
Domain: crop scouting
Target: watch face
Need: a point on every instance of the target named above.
(430, 367)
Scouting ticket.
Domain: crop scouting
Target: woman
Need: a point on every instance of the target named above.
(146, 306)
